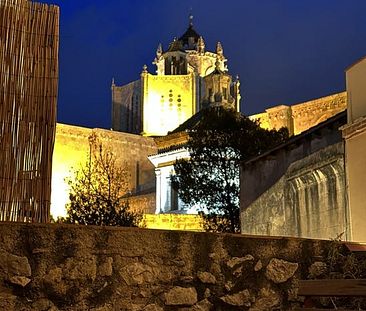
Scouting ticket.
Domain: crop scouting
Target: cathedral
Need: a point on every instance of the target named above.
(187, 79)
(164, 105)
(150, 119)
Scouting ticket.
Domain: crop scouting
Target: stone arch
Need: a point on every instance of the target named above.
(209, 70)
(322, 118)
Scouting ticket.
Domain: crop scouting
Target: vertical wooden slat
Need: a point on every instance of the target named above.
(29, 38)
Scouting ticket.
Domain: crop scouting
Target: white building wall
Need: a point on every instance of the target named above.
(164, 168)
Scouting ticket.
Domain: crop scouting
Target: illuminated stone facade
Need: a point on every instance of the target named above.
(71, 150)
(298, 189)
(172, 221)
(313, 186)
(302, 116)
(187, 79)
(297, 118)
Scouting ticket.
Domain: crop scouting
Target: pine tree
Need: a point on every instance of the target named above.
(209, 179)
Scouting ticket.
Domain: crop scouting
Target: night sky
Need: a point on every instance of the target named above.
(285, 51)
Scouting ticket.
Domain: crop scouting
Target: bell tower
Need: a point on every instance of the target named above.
(188, 77)
(218, 88)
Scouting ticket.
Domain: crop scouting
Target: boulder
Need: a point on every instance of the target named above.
(279, 271)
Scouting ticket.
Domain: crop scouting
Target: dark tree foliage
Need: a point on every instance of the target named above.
(209, 180)
(97, 191)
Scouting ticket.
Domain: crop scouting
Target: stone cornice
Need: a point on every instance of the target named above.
(356, 128)
(171, 140)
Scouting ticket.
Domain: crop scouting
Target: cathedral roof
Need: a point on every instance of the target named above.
(176, 45)
(190, 33)
(197, 118)
(191, 123)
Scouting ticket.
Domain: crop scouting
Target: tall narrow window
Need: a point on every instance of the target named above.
(224, 92)
(174, 65)
(173, 200)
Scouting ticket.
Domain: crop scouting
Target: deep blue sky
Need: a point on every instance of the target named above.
(285, 51)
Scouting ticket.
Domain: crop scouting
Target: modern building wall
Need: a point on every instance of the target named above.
(298, 189)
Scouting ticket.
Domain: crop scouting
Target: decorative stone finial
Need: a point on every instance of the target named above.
(217, 64)
(113, 84)
(200, 45)
(144, 69)
(219, 49)
(159, 51)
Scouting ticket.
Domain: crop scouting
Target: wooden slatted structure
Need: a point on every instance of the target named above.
(29, 40)
(331, 288)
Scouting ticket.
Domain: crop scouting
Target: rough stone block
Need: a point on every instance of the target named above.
(239, 299)
(279, 271)
(181, 296)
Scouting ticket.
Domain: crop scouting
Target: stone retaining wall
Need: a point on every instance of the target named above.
(64, 267)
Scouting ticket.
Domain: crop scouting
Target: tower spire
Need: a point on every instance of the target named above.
(190, 18)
